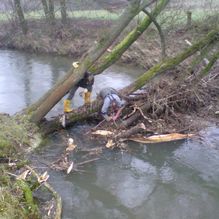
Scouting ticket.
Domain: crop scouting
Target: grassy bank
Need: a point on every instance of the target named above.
(16, 139)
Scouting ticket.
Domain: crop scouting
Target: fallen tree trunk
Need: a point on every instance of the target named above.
(171, 62)
(38, 110)
(87, 111)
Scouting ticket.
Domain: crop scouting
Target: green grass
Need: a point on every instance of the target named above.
(100, 14)
(197, 15)
(167, 19)
(90, 14)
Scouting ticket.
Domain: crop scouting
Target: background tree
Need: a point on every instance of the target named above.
(48, 7)
(45, 8)
(63, 11)
(51, 11)
(20, 15)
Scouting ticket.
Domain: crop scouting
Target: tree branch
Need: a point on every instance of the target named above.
(162, 38)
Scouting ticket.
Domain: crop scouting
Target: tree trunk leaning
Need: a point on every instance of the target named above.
(171, 62)
(45, 104)
(108, 59)
(86, 111)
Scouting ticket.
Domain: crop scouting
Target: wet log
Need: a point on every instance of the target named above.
(160, 138)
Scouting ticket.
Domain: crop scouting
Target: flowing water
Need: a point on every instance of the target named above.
(177, 180)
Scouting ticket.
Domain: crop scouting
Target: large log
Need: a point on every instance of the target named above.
(53, 96)
(87, 111)
(172, 62)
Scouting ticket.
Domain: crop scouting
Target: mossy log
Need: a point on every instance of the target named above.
(201, 57)
(108, 59)
(172, 62)
(87, 111)
(45, 104)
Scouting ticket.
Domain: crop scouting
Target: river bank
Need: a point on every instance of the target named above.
(75, 39)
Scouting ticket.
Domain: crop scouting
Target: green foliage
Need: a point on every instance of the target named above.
(16, 200)
(10, 206)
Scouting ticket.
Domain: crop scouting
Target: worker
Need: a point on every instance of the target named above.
(112, 104)
(87, 83)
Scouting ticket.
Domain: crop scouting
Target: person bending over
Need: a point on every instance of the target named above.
(112, 104)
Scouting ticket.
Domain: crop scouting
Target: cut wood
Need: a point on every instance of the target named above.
(160, 138)
(102, 132)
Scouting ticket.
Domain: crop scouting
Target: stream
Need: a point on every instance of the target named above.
(176, 180)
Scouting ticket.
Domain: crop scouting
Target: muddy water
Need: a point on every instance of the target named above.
(178, 180)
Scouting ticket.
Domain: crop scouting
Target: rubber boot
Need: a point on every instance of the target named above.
(87, 97)
(67, 106)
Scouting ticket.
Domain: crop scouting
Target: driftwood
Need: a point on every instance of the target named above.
(160, 138)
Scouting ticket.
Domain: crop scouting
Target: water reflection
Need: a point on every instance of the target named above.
(26, 77)
(145, 181)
